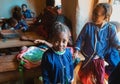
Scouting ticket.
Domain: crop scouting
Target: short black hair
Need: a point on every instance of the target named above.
(24, 5)
(17, 8)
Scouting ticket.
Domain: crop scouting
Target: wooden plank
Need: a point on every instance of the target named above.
(15, 75)
(8, 63)
(8, 66)
(8, 58)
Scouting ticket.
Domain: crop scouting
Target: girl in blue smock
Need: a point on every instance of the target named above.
(93, 41)
(57, 65)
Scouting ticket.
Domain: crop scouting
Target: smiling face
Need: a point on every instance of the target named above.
(60, 41)
(98, 15)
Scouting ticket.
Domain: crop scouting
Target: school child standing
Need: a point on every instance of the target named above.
(57, 65)
(93, 42)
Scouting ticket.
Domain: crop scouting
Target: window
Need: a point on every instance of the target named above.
(57, 2)
(116, 11)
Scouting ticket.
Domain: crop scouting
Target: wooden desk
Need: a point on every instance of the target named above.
(30, 21)
(9, 64)
(9, 43)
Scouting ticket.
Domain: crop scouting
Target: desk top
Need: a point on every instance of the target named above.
(9, 43)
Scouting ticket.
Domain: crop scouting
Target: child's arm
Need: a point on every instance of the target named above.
(44, 42)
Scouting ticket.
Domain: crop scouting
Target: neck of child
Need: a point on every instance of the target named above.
(100, 24)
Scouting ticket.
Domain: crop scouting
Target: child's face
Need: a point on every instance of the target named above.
(59, 11)
(24, 8)
(98, 15)
(60, 41)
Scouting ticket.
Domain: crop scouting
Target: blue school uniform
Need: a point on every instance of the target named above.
(57, 68)
(113, 56)
(27, 14)
(94, 43)
(20, 24)
(106, 37)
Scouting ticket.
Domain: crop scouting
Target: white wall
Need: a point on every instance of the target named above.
(6, 6)
(116, 12)
(79, 12)
(83, 14)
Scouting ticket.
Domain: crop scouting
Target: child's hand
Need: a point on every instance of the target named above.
(75, 54)
(39, 41)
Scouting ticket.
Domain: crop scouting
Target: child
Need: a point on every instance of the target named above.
(26, 12)
(16, 11)
(21, 23)
(94, 40)
(13, 23)
(56, 65)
